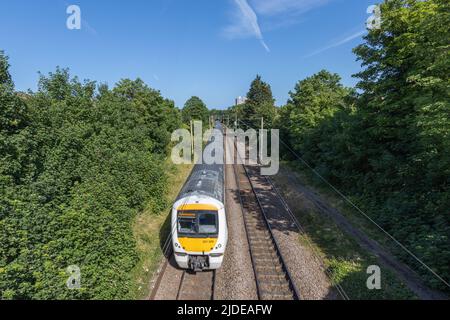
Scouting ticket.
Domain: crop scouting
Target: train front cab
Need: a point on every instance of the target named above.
(200, 235)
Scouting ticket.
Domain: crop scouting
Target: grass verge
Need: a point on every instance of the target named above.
(149, 232)
(345, 260)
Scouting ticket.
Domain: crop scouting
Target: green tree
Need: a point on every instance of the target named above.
(313, 100)
(160, 114)
(195, 109)
(260, 103)
(14, 141)
(12, 109)
(404, 110)
(388, 148)
(73, 175)
(5, 77)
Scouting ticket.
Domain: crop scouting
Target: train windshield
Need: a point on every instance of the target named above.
(207, 223)
(197, 223)
(187, 225)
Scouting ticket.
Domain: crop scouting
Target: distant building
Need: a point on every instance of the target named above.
(240, 100)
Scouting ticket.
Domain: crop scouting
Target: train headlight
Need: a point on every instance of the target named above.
(176, 245)
(181, 254)
(216, 255)
(219, 246)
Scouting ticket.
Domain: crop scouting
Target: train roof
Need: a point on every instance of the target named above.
(205, 180)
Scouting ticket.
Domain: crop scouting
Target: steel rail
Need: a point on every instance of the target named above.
(292, 286)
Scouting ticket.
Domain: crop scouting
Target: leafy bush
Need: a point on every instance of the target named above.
(389, 146)
(77, 164)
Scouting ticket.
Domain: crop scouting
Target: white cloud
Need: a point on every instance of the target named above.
(281, 13)
(275, 7)
(337, 43)
(245, 24)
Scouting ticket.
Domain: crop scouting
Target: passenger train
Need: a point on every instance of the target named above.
(200, 234)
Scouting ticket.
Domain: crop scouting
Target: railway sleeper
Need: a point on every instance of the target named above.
(253, 211)
(260, 244)
(265, 253)
(271, 281)
(248, 206)
(246, 199)
(254, 215)
(263, 250)
(259, 247)
(251, 205)
(281, 288)
(258, 231)
(256, 237)
(256, 227)
(267, 259)
(269, 269)
(272, 278)
(264, 256)
(253, 228)
(260, 239)
(276, 296)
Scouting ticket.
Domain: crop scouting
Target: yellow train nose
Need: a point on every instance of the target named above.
(198, 244)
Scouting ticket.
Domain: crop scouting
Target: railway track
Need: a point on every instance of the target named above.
(192, 286)
(196, 286)
(273, 280)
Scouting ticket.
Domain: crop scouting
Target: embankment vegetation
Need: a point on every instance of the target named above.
(386, 143)
(78, 162)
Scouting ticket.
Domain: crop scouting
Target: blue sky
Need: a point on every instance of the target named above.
(209, 48)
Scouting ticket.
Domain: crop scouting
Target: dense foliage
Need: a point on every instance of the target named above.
(195, 109)
(388, 147)
(76, 165)
(260, 104)
(313, 100)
